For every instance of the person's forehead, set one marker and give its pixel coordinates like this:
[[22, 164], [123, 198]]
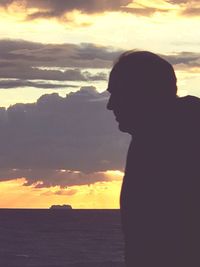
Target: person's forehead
[[112, 87], [113, 82]]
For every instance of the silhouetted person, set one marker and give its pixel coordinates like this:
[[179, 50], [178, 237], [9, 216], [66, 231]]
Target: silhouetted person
[[159, 201]]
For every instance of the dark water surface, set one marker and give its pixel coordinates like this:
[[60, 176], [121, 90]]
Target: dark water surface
[[60, 238]]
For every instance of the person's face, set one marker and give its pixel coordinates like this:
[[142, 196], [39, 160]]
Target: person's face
[[134, 109], [126, 107], [135, 100]]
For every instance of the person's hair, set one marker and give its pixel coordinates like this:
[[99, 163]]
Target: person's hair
[[147, 72]]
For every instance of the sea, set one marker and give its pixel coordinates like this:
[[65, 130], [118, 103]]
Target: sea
[[60, 238]]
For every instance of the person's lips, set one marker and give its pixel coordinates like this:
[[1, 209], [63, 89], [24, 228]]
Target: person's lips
[[117, 118]]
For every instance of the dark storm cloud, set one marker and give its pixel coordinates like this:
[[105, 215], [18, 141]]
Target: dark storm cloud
[[38, 141]]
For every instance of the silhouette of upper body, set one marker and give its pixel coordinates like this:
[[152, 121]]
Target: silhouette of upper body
[[159, 200]]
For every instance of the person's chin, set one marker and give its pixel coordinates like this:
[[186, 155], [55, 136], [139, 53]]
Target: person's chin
[[124, 128]]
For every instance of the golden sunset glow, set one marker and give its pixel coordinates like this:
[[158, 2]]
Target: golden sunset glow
[[95, 196]]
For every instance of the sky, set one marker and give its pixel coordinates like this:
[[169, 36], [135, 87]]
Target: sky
[[59, 144]]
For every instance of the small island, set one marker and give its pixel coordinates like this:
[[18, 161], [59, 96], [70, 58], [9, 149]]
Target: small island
[[61, 207]]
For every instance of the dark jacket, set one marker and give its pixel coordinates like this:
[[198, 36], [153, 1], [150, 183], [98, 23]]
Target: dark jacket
[[160, 196]]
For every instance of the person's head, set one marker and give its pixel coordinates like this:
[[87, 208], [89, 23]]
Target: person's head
[[140, 82]]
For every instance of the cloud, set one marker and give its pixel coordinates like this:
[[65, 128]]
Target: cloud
[[100, 76], [191, 11], [187, 8], [60, 8], [6, 3], [46, 74], [69, 192], [143, 11], [186, 60], [61, 141], [8, 84], [29, 60], [15, 53], [182, 1], [64, 178], [24, 60], [147, 8], [64, 9]]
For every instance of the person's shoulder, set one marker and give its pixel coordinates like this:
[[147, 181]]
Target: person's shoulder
[[189, 113], [189, 104], [189, 99]]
